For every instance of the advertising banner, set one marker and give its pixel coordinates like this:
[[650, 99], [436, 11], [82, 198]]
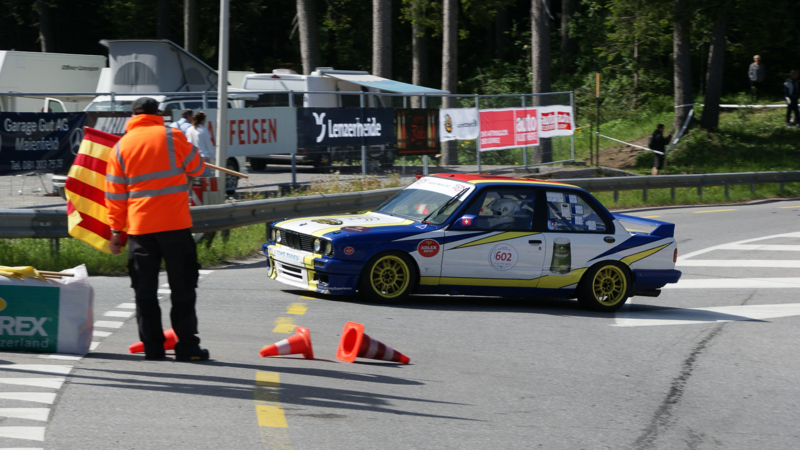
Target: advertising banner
[[556, 120], [255, 131], [458, 123], [526, 127], [336, 127], [497, 129], [46, 316], [39, 142], [416, 131]]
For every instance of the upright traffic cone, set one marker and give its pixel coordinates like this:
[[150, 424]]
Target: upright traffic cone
[[169, 343], [355, 343], [299, 343]]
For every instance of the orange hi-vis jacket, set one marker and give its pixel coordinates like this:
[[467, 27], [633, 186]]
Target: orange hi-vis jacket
[[146, 185]]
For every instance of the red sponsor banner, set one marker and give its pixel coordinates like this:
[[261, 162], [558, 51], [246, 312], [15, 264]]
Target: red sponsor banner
[[556, 120], [509, 128], [497, 129]]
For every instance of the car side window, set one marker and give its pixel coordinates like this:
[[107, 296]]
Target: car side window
[[567, 211], [506, 209], [172, 106]]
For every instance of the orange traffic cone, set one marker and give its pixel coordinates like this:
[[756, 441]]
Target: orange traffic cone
[[299, 343], [169, 343], [355, 343]]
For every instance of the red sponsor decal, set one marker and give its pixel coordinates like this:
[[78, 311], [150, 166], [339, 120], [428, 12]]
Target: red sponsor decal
[[348, 250], [428, 248]]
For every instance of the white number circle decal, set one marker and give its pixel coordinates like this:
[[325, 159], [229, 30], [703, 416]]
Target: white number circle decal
[[503, 257]]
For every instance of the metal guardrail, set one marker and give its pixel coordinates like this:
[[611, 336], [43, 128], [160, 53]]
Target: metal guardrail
[[52, 223]]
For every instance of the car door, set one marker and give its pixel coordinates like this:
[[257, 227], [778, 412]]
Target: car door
[[576, 232], [498, 246]]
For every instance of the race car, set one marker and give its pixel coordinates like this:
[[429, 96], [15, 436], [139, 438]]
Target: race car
[[478, 235]]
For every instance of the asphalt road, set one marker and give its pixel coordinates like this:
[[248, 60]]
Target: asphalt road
[[710, 364]]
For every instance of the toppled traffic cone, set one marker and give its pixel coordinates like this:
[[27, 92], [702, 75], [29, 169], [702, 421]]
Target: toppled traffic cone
[[355, 343], [169, 344], [299, 343]]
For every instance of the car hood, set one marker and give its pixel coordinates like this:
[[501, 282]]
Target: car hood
[[343, 223]]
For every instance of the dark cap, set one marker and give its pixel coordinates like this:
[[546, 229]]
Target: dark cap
[[145, 105], [187, 113]]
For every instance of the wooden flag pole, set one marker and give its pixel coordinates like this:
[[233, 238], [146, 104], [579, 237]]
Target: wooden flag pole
[[228, 171]]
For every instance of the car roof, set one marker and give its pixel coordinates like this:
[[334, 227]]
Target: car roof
[[497, 179]]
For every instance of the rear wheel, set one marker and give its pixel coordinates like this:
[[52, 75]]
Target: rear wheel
[[388, 277], [605, 287]]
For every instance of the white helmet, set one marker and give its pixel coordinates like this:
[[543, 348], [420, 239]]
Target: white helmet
[[503, 210]]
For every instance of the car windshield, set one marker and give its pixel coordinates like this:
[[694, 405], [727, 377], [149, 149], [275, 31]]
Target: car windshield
[[425, 199], [106, 106]]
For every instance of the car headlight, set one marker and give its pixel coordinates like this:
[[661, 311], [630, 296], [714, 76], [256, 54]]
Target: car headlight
[[317, 245], [277, 236]]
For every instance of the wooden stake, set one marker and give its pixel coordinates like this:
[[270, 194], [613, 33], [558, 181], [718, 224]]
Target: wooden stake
[[228, 171]]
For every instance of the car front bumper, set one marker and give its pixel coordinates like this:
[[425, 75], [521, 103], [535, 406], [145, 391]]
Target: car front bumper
[[311, 272]]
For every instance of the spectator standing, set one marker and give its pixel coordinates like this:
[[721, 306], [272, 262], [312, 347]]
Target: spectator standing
[[659, 143], [152, 204], [198, 135], [185, 121], [790, 93], [756, 74]]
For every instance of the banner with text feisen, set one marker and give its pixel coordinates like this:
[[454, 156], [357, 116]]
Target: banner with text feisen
[[255, 131], [458, 124]]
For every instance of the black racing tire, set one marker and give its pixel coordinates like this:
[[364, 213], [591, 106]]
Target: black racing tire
[[258, 164], [605, 287], [388, 277]]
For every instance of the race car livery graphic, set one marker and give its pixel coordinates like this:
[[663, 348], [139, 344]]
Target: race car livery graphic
[[478, 235]]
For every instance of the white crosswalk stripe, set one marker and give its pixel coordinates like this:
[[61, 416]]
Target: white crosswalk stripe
[[40, 414], [50, 383]]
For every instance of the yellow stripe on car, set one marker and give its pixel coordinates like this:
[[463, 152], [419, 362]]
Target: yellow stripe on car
[[497, 238], [628, 260]]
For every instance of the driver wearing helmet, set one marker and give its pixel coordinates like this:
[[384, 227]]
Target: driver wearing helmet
[[503, 211]]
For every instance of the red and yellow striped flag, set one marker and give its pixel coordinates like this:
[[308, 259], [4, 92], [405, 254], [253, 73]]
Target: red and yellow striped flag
[[85, 188]]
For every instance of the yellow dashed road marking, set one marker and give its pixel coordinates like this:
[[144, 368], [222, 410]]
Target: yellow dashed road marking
[[297, 309], [284, 325], [272, 425], [784, 207], [267, 379], [650, 217], [713, 210], [270, 416]]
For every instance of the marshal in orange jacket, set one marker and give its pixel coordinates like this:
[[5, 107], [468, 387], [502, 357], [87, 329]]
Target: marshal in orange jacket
[[146, 185]]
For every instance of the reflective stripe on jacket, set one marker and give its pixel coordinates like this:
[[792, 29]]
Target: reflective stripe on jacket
[[146, 185]]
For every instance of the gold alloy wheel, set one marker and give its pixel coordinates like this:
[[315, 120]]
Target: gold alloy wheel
[[390, 276], [609, 285]]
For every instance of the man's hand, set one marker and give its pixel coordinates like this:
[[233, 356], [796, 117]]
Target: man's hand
[[115, 244]]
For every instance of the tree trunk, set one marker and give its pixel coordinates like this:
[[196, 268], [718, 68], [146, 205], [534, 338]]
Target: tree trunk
[[309, 40], [682, 62], [190, 37], [502, 42], [568, 44], [636, 72], [716, 59], [45, 27], [450, 70], [419, 52], [540, 68], [162, 23], [382, 38]]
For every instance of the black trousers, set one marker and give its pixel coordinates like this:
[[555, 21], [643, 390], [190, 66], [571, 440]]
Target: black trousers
[[792, 106], [179, 252]]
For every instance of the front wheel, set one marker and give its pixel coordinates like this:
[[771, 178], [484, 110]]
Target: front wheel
[[388, 277], [605, 287]]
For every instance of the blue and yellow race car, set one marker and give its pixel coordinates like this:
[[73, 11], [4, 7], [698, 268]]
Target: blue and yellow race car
[[478, 235]]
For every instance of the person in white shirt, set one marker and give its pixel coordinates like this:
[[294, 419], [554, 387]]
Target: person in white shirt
[[197, 134], [185, 121]]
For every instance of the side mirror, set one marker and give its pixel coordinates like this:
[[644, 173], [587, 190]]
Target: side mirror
[[466, 222]]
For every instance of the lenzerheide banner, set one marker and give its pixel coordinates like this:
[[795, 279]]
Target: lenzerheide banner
[[336, 127], [458, 123]]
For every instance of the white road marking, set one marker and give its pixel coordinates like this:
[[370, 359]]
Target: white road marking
[[681, 316], [205, 272], [29, 433], [782, 264], [45, 368], [752, 247], [165, 285], [62, 358], [39, 397], [164, 291], [125, 314], [50, 383], [39, 414], [127, 305], [746, 241], [108, 324], [94, 345], [736, 283], [98, 333]]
